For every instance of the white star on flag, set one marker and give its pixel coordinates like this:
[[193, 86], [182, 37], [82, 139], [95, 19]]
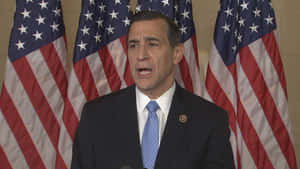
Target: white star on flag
[[165, 2], [253, 28], [26, 13], [110, 29], [40, 20], [37, 35], [20, 45], [43, 4], [85, 30], [114, 15], [226, 27], [22, 29], [82, 46], [244, 5]]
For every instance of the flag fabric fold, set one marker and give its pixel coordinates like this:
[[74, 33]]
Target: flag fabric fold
[[188, 71], [100, 64], [245, 76], [34, 89]]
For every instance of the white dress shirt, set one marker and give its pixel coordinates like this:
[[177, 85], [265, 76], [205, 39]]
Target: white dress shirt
[[164, 102]]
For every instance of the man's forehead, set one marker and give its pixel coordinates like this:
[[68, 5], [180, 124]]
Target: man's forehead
[[148, 28], [155, 24], [144, 38]]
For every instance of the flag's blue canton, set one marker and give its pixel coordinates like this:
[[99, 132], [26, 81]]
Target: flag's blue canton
[[164, 6], [178, 10], [36, 23], [184, 19], [241, 22], [101, 21]]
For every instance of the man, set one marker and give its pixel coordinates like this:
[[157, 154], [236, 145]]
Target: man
[[121, 130]]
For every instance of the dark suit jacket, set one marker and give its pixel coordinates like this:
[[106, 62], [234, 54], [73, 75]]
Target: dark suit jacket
[[107, 136]]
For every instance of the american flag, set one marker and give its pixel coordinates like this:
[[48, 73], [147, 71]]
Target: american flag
[[188, 71], [34, 89], [245, 76], [100, 63]]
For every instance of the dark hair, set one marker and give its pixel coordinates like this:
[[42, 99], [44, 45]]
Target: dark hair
[[173, 31]]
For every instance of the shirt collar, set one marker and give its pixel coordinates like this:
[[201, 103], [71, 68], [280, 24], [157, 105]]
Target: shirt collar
[[164, 101]]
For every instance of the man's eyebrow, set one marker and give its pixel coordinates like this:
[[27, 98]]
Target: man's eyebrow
[[133, 41], [146, 38], [152, 39]]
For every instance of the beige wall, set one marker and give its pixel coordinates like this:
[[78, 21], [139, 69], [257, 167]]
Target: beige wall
[[205, 12]]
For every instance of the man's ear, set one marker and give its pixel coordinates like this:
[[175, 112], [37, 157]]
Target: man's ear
[[178, 53]]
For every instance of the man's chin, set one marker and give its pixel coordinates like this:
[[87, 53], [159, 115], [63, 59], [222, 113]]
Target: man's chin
[[144, 87]]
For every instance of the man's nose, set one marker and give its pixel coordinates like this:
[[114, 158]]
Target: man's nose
[[142, 53]]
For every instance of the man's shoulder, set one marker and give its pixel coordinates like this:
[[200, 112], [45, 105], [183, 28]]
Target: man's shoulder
[[191, 98], [197, 103], [114, 97]]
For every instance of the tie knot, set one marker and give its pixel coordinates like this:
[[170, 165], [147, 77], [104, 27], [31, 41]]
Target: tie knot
[[152, 106]]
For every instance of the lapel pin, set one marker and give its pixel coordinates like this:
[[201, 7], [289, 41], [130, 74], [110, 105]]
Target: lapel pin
[[183, 118]]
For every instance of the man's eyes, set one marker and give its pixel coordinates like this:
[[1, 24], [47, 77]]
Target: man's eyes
[[153, 44], [150, 43], [132, 45]]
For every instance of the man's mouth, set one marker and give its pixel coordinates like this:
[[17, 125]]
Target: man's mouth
[[144, 71]]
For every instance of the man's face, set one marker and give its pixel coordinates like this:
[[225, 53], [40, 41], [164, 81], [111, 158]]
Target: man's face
[[152, 60]]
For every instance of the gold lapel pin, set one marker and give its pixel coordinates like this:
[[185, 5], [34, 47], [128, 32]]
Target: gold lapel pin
[[183, 118]]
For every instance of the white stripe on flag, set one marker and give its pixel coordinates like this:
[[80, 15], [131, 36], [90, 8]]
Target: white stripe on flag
[[29, 116], [75, 94], [119, 58], [10, 145], [223, 76], [246, 159], [46, 82], [96, 68], [272, 81], [60, 47], [65, 146], [194, 70], [258, 118]]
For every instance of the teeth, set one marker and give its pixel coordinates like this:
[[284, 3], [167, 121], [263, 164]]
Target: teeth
[[144, 72]]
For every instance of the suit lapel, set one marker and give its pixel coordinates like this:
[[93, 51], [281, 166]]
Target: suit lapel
[[127, 123], [173, 135]]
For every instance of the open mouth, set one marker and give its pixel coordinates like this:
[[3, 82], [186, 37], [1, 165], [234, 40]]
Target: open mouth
[[144, 71]]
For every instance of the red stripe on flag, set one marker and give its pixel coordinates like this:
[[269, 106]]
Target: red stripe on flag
[[185, 74], [267, 103], [274, 54], [70, 119], [194, 40], [248, 131], [56, 68], [58, 73], [127, 74], [39, 103], [110, 70], [85, 78], [219, 97], [238, 160], [251, 139], [3, 160], [20, 132]]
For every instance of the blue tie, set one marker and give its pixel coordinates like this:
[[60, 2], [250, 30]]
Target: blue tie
[[150, 137]]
